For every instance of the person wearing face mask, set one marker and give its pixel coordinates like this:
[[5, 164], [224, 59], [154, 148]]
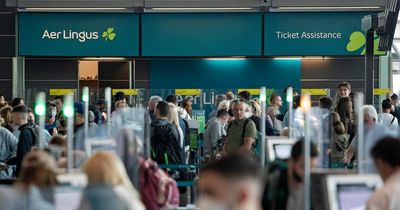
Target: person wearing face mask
[[242, 132], [284, 188], [231, 183], [51, 124], [215, 131]]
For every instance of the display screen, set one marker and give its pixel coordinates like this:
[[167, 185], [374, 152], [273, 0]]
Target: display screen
[[282, 151], [354, 196]]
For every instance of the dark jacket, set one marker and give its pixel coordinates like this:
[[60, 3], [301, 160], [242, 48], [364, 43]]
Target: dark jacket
[[165, 143], [396, 113], [276, 191], [26, 141], [269, 129]]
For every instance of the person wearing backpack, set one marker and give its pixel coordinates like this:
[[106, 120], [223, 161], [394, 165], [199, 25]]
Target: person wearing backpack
[[165, 141], [242, 132], [27, 138]]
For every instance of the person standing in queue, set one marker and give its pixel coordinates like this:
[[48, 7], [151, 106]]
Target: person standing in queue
[[242, 132], [343, 90], [394, 100]]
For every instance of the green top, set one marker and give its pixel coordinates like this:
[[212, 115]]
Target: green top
[[235, 134]]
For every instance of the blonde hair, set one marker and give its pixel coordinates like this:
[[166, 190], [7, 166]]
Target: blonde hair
[[256, 108], [105, 167], [173, 114], [224, 104]]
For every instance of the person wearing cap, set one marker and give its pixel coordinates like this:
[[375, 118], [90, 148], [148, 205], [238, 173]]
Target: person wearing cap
[[27, 138], [51, 124], [79, 122]]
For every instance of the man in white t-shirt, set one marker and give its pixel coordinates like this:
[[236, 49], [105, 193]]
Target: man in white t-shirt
[[387, 119]]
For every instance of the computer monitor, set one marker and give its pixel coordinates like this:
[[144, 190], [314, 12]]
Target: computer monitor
[[279, 148], [351, 191], [67, 198]]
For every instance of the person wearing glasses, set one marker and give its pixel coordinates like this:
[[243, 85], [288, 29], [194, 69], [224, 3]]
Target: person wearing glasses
[[273, 111]]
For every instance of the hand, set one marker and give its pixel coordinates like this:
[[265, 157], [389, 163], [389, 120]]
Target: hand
[[3, 166], [346, 160], [55, 132]]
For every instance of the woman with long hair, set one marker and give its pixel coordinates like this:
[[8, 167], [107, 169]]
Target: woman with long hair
[[344, 108], [174, 119], [109, 186]]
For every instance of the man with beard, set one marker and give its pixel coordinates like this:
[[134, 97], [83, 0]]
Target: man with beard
[[284, 188]]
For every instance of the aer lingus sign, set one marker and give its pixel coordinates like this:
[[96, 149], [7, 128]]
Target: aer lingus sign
[[77, 34], [318, 34]]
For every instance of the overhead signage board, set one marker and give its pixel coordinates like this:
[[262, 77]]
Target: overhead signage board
[[78, 34], [315, 34], [202, 34]]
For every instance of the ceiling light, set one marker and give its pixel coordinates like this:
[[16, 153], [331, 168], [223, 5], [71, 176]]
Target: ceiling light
[[103, 58], [197, 8], [227, 58], [71, 9], [324, 8]]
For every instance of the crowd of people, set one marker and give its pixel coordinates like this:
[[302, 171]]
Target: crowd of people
[[230, 178]]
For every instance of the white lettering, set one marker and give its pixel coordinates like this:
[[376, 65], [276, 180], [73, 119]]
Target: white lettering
[[287, 35], [81, 36], [50, 35], [308, 35]]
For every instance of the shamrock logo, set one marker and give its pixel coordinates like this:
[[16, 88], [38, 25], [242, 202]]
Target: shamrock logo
[[357, 41], [109, 34]]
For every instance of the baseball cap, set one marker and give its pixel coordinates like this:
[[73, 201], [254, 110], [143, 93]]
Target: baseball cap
[[79, 108]]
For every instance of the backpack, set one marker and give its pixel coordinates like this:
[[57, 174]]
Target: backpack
[[36, 141], [158, 190]]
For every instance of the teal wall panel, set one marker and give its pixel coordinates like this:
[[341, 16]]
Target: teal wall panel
[[225, 74], [314, 34], [78, 34], [199, 34]]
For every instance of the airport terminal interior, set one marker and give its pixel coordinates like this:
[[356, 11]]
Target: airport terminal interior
[[199, 105]]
